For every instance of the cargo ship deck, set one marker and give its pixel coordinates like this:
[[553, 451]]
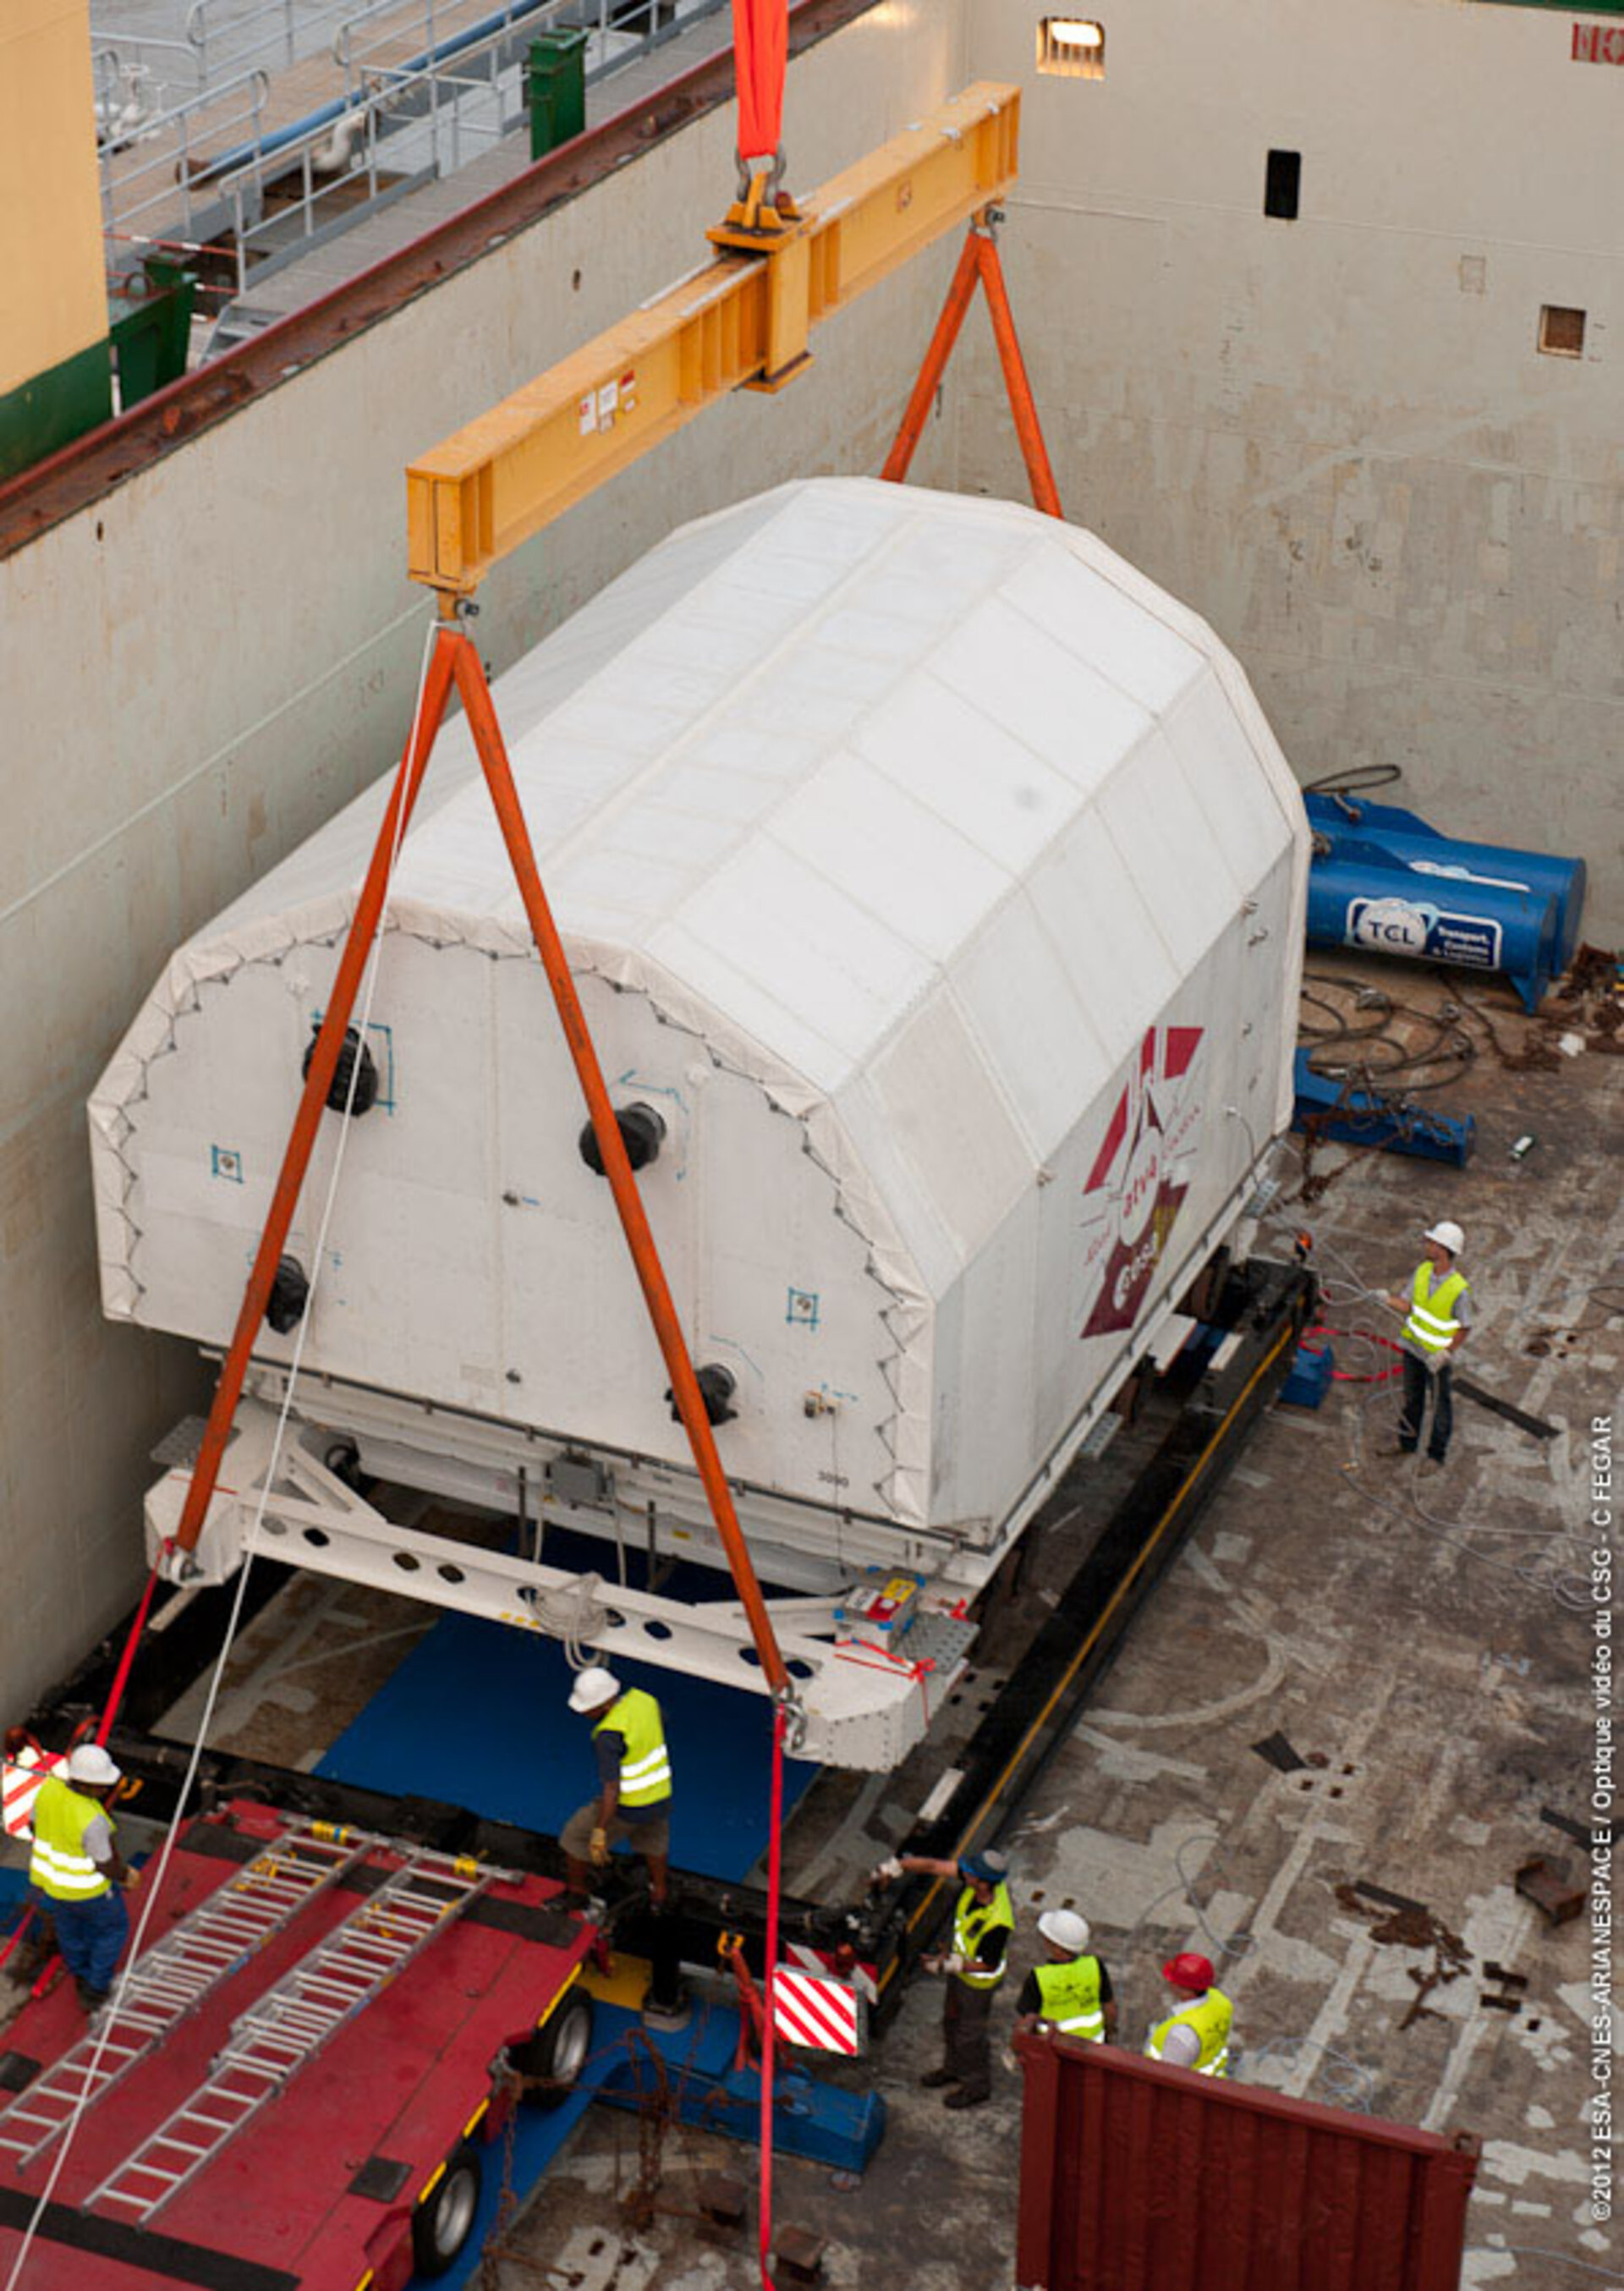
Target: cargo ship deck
[[1355, 1707]]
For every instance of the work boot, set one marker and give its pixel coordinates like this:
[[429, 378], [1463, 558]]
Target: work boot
[[1390, 1450], [966, 2096], [934, 2079], [92, 1999], [1432, 1464]]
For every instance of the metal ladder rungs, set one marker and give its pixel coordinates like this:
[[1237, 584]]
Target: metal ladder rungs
[[345, 1993], [287, 2027], [169, 1982]]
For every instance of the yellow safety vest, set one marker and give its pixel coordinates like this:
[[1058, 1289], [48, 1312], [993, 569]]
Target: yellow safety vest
[[1068, 1994], [61, 1867], [971, 1923], [1432, 1323], [1209, 2017], [645, 1768]]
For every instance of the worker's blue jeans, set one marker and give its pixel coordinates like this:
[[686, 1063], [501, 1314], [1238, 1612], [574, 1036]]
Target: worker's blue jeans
[[91, 1935], [1419, 1381]]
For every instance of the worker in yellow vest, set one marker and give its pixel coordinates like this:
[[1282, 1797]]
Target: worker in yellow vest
[[1195, 2034], [1071, 1990], [1438, 1315], [76, 1870], [974, 1967], [634, 1783]]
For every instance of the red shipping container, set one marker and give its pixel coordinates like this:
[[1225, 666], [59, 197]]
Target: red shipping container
[[1139, 2178]]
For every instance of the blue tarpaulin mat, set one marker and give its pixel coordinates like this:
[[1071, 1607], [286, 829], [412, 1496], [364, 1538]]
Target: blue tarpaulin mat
[[477, 1714]]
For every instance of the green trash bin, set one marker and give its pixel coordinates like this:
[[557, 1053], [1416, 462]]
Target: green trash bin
[[150, 341], [555, 89]]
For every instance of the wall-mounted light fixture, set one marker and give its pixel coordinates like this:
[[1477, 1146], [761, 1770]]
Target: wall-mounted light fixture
[[1071, 47]]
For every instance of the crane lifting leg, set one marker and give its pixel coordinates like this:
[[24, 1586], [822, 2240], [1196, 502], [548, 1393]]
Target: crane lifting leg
[[455, 659], [979, 262]]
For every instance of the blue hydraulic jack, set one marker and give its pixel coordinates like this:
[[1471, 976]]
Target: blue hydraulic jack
[[1396, 1124], [705, 2077], [700, 2082]]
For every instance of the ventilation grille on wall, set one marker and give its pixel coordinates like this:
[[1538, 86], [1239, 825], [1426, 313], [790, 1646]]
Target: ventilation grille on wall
[[1561, 332]]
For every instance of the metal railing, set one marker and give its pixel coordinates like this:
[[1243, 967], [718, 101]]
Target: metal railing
[[623, 30], [282, 201], [212, 169], [137, 78], [273, 35], [158, 185], [373, 37]]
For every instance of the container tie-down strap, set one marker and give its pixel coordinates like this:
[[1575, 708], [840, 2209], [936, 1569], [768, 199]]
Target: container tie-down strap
[[760, 57]]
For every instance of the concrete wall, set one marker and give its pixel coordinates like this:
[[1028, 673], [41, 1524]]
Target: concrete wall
[[1336, 436], [201, 667]]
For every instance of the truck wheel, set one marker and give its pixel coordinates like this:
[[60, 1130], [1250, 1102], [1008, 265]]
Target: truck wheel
[[443, 2225], [558, 2050]]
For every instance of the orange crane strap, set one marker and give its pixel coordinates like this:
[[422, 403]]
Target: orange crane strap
[[760, 56]]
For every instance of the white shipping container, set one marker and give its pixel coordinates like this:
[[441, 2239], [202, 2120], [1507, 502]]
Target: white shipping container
[[938, 883]]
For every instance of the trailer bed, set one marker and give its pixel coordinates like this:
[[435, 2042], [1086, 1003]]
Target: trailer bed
[[317, 2191]]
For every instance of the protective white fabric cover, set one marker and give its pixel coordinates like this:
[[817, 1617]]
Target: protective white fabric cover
[[936, 876]]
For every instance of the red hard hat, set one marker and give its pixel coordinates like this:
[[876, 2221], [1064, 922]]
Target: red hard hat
[[1188, 1971]]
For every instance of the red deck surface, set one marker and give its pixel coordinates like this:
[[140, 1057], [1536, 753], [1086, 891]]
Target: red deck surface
[[402, 2081]]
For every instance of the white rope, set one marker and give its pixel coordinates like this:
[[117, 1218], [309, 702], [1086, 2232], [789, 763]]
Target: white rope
[[153, 1879], [572, 1612]]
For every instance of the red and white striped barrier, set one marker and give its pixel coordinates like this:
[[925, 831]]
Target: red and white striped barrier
[[19, 1785], [860, 1977], [817, 2010]]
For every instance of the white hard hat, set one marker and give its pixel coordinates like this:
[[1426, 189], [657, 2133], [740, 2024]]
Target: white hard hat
[[1448, 1235], [90, 1763], [594, 1687], [1065, 1929]]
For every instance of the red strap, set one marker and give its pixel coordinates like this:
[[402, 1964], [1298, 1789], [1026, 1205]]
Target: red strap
[[761, 58], [23, 1922], [774, 1867], [122, 1676]]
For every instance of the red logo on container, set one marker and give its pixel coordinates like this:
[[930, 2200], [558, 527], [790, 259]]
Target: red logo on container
[[1139, 1179]]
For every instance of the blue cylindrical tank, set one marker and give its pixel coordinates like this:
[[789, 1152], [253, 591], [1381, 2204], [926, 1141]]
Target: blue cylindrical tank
[[1408, 836], [1382, 879]]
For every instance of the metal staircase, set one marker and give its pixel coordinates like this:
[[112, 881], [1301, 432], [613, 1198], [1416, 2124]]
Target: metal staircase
[[290, 2023], [171, 1978]]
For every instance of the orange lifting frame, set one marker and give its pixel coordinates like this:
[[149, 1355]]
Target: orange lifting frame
[[481, 494]]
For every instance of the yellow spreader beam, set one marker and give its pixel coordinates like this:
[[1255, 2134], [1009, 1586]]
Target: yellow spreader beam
[[741, 322]]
